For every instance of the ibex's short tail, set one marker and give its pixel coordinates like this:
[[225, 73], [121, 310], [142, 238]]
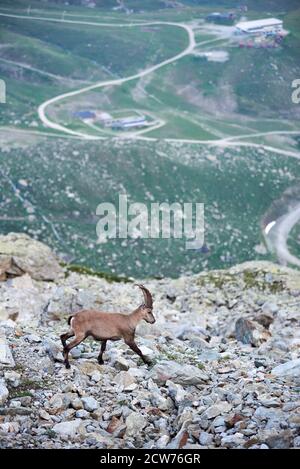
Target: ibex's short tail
[[69, 319]]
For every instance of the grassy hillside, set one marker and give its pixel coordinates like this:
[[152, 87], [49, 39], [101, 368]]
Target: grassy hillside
[[153, 5], [236, 186], [42, 59]]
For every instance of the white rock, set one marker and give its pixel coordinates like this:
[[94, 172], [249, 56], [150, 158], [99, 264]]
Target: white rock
[[290, 368], [6, 357], [44, 415], [15, 403], [59, 402], [82, 414], [10, 427], [138, 373], [68, 429], [218, 409], [120, 363], [135, 423], [264, 446], [53, 350], [13, 378], [96, 376], [232, 441], [162, 441], [125, 381], [147, 352], [297, 442], [269, 307], [89, 403], [178, 373], [97, 414], [206, 439], [76, 403], [176, 391], [76, 352], [3, 392], [33, 338], [157, 399], [152, 386], [180, 439], [161, 402], [277, 439]]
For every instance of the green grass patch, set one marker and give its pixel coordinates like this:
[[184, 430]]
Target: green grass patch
[[79, 269]]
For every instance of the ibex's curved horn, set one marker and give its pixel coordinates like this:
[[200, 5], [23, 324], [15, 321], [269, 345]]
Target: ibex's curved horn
[[147, 296]]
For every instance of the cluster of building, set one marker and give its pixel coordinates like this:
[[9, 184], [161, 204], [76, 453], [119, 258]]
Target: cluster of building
[[106, 120], [128, 123], [268, 26], [256, 27], [266, 32]]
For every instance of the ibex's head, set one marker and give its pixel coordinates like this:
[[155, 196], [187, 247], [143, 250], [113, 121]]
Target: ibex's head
[[147, 307]]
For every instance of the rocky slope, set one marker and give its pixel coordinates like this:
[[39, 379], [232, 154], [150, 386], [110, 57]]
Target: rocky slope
[[225, 359]]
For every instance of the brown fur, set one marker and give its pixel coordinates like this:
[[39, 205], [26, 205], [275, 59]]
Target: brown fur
[[107, 326]]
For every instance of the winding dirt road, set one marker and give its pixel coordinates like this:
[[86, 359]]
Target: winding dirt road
[[119, 81], [277, 236], [227, 141]]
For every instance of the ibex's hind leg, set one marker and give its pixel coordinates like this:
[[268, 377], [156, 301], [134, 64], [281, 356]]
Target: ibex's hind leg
[[103, 347], [134, 347], [66, 336], [69, 347]]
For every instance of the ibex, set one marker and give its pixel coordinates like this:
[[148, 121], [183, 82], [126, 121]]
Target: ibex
[[108, 326]]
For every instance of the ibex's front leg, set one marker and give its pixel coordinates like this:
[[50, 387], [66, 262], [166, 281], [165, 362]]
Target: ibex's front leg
[[103, 347], [66, 336], [131, 343]]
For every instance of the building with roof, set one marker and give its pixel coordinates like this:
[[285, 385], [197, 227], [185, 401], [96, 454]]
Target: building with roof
[[217, 17], [264, 26], [85, 114], [128, 122]]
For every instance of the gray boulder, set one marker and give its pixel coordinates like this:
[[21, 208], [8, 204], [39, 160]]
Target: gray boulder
[[135, 423], [250, 332], [21, 254], [290, 368], [178, 373]]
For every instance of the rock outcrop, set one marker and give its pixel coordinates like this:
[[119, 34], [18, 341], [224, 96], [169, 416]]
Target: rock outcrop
[[20, 254]]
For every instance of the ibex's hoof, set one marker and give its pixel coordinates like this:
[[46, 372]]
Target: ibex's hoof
[[101, 362], [68, 365]]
